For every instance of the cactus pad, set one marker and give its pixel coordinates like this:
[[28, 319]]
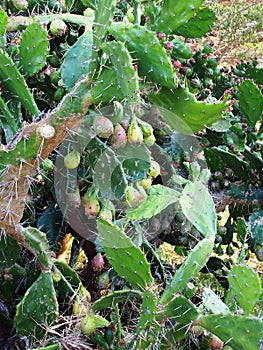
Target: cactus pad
[[33, 49], [126, 259], [245, 283], [37, 309]]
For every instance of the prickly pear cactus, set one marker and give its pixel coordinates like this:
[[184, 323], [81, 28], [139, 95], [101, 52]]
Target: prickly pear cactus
[[240, 332], [150, 56], [127, 259], [13, 80], [190, 267], [34, 48], [3, 24], [10, 251], [245, 283], [194, 114], [38, 308]]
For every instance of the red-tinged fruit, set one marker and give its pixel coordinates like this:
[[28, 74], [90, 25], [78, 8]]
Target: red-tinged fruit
[[177, 64], [134, 197], [119, 137], [91, 204], [161, 35], [169, 45], [98, 262], [58, 27], [215, 343], [102, 126]]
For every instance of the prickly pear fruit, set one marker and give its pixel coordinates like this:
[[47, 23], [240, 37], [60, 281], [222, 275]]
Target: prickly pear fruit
[[58, 27], [88, 324], [134, 197], [215, 342], [134, 134], [103, 280], [72, 160], [102, 126], [106, 214], [119, 137], [20, 5], [146, 128], [91, 204], [155, 169], [118, 111], [150, 140], [97, 262], [145, 183]]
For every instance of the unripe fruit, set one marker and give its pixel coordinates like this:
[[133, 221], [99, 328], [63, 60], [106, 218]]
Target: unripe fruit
[[155, 169], [118, 111], [145, 183], [102, 126], [72, 160], [134, 134], [119, 137], [146, 128], [215, 343], [91, 204], [103, 280], [88, 325], [60, 92], [134, 197], [20, 5], [98, 262], [150, 140], [106, 214], [58, 27]]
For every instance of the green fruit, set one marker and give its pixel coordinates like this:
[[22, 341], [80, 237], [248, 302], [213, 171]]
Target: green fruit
[[106, 214], [13, 50], [220, 250], [150, 140], [47, 164], [207, 49], [59, 94], [58, 27], [134, 134], [155, 169], [145, 183], [146, 128], [91, 205], [103, 280], [88, 324], [56, 76], [212, 62], [20, 5], [181, 49], [229, 250], [109, 336], [72, 160], [118, 111]]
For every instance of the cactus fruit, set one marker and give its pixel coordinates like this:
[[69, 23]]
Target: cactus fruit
[[88, 323], [119, 137], [155, 169], [134, 133], [103, 280], [102, 126], [215, 343], [134, 197], [58, 27], [72, 160], [91, 204], [97, 262], [20, 5]]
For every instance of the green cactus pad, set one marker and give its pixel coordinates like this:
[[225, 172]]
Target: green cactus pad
[[10, 251], [37, 240], [159, 198], [240, 332], [256, 74], [126, 75], [198, 25], [77, 60], [238, 165], [106, 88], [37, 309], [255, 224], [3, 24], [256, 161], [12, 79], [245, 283], [71, 276], [198, 207], [250, 102], [150, 56], [103, 17], [175, 13], [147, 325], [114, 298], [212, 302], [181, 310], [127, 259], [9, 124], [33, 49], [189, 269], [195, 114]]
